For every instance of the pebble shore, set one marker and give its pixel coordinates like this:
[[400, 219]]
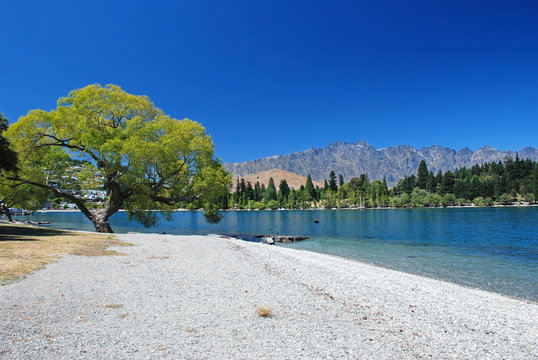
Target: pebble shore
[[195, 297]]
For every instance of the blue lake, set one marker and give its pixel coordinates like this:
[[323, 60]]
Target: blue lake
[[495, 249]]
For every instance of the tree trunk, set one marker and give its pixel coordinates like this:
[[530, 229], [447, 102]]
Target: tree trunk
[[100, 221], [99, 218], [5, 209]]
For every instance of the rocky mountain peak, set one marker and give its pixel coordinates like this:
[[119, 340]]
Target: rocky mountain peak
[[393, 163]]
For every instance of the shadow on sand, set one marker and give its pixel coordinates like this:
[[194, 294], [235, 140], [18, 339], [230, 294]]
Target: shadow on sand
[[10, 232]]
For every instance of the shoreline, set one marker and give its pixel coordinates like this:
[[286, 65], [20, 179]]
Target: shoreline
[[196, 296], [524, 293], [312, 209]]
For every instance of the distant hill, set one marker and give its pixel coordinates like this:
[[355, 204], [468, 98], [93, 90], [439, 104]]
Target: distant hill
[[294, 181], [353, 159]]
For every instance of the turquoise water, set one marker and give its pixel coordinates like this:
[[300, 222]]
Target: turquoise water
[[495, 249]]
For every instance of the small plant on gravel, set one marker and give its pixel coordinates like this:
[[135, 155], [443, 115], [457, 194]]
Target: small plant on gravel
[[264, 311], [113, 306]]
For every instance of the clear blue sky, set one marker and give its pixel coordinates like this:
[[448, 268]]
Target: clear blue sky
[[274, 77]]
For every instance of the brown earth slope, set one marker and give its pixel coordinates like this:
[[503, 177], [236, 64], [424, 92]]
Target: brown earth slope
[[294, 180]]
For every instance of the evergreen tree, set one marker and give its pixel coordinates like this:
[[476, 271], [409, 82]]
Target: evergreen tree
[[384, 187], [364, 182], [243, 195], [422, 175], [309, 187], [270, 192], [439, 182], [249, 193], [326, 185], [283, 191], [448, 183], [242, 186], [430, 182], [292, 200], [257, 192], [340, 180], [332, 182], [533, 181]]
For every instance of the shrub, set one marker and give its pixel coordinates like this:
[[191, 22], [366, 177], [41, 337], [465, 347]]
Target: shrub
[[401, 200], [259, 205], [448, 200], [272, 204], [264, 311], [505, 199]]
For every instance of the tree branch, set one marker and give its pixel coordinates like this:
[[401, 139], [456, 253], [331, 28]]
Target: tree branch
[[79, 202]]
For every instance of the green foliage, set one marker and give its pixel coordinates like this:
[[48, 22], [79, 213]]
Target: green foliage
[[330, 200], [270, 192], [401, 200], [332, 182], [148, 160], [258, 205], [505, 199], [448, 200], [419, 198], [480, 185], [340, 180], [481, 201], [283, 193], [8, 157], [272, 204], [422, 175], [211, 213], [310, 191]]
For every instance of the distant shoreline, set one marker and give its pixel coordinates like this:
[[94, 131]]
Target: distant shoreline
[[311, 209]]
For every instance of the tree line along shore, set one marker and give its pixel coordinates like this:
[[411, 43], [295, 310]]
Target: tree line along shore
[[495, 183]]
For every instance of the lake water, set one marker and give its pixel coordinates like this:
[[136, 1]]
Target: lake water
[[495, 249]]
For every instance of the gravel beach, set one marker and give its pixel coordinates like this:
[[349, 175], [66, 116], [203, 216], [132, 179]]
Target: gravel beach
[[195, 297]]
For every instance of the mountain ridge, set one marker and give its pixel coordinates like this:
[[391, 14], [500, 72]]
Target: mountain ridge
[[393, 162]]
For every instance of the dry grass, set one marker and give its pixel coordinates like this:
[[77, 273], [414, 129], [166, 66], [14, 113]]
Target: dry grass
[[25, 249], [113, 306], [264, 311]]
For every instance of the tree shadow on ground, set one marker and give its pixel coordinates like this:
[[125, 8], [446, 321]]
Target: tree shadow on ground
[[26, 233]]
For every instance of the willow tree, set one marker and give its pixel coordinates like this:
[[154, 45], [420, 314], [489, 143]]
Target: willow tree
[[142, 158]]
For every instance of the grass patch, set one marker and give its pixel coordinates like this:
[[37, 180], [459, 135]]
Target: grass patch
[[264, 311], [113, 306], [25, 249]]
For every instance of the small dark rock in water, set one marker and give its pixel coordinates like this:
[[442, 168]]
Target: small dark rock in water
[[316, 221], [164, 233], [270, 239]]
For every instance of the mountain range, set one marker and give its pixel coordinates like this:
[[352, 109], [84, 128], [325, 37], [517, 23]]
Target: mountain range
[[393, 163]]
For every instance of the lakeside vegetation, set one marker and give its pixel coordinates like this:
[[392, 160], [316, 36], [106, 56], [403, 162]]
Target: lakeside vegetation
[[501, 183], [103, 150], [141, 158]]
